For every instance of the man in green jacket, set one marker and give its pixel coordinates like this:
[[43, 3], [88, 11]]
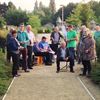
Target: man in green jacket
[[23, 40]]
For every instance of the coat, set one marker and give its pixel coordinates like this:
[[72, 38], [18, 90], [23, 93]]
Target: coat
[[88, 43]]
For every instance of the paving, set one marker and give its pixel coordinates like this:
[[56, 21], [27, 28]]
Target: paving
[[43, 83]]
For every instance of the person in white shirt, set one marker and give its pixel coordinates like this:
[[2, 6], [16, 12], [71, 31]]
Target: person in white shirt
[[31, 37]]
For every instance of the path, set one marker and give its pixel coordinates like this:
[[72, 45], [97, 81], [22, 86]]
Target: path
[[43, 83]]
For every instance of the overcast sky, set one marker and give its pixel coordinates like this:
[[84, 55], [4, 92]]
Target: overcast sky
[[29, 4]]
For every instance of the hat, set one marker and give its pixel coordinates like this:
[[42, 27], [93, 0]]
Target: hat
[[44, 37]]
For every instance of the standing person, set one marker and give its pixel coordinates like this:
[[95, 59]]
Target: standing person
[[88, 53], [24, 40], [30, 45], [14, 47], [71, 45], [55, 39], [9, 35]]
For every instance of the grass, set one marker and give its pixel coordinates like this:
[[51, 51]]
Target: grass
[[5, 75], [96, 74]]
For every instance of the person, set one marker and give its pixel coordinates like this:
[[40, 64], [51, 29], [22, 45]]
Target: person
[[55, 39], [97, 33], [81, 37], [24, 40], [43, 49], [62, 55], [30, 45], [14, 47], [88, 53], [9, 35], [71, 45]]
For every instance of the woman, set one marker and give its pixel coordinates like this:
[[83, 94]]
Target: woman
[[87, 52], [14, 47]]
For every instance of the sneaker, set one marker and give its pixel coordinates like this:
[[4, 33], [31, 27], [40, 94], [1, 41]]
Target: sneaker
[[57, 71], [27, 71]]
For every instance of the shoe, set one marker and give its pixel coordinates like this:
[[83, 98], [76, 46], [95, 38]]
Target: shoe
[[30, 68], [27, 71], [17, 75], [89, 76], [82, 75], [48, 64], [57, 71], [72, 71]]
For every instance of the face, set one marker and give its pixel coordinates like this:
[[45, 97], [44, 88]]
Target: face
[[97, 28], [63, 45], [28, 28], [55, 29], [44, 40], [15, 35], [70, 28], [22, 28]]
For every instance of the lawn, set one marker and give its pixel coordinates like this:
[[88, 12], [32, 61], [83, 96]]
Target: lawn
[[5, 75]]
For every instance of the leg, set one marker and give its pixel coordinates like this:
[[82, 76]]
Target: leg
[[71, 58], [89, 67], [24, 58], [15, 58], [29, 60], [58, 65], [85, 67]]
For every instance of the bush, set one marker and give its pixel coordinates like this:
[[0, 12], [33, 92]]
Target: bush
[[2, 22], [96, 74], [5, 75]]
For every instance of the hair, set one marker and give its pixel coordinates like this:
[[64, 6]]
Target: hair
[[22, 24], [28, 26], [14, 32], [43, 37]]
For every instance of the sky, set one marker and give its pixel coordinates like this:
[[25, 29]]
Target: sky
[[29, 4]]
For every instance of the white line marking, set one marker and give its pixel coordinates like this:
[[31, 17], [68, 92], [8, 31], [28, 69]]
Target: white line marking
[[90, 94], [8, 89]]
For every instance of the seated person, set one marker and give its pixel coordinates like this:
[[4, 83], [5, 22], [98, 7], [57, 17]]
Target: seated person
[[62, 55], [43, 49]]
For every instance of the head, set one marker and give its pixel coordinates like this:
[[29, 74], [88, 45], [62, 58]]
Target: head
[[28, 28], [56, 29], [21, 27], [97, 28], [44, 39], [88, 32], [11, 29], [14, 33], [83, 28], [63, 45], [70, 27]]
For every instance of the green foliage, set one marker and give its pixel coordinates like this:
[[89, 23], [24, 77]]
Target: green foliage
[[2, 22], [82, 14], [34, 21], [15, 17], [96, 73], [5, 75]]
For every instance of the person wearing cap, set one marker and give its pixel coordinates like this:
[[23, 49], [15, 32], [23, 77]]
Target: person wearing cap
[[45, 51], [55, 39], [71, 45], [31, 37], [23, 40]]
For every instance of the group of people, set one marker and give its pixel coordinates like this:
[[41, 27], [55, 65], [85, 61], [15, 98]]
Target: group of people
[[23, 42], [20, 43]]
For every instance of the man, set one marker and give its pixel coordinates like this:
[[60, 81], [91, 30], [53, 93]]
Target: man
[[30, 45], [23, 40], [55, 39], [71, 45], [43, 49], [9, 35], [62, 55]]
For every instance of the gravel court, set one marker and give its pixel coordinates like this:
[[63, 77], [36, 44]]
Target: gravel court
[[43, 83]]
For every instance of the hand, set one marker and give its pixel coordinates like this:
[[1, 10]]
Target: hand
[[22, 42], [86, 51]]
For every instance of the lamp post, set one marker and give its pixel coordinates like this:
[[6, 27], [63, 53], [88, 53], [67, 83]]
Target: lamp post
[[62, 13]]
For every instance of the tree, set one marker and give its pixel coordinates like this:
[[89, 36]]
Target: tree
[[34, 21], [67, 11], [36, 7], [15, 17], [3, 9], [2, 22], [11, 6], [82, 14], [52, 7]]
